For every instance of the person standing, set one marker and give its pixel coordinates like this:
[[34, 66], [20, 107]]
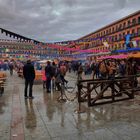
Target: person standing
[[29, 75], [11, 68], [48, 73], [63, 71], [79, 72], [53, 74]]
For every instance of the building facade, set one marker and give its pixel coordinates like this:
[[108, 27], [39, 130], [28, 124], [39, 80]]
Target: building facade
[[112, 36], [22, 49]]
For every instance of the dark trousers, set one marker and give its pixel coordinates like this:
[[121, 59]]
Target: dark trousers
[[11, 72], [63, 79], [30, 83], [44, 84], [48, 84], [58, 86]]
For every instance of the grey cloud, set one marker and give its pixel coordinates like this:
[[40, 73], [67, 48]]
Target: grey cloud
[[57, 20]]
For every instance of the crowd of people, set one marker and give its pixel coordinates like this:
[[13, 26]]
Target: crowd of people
[[7, 65], [56, 72]]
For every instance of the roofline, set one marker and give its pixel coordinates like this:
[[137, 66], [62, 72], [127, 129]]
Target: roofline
[[130, 15], [18, 35]]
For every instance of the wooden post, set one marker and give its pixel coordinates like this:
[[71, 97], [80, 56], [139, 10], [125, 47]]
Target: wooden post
[[113, 90], [79, 110], [89, 95]]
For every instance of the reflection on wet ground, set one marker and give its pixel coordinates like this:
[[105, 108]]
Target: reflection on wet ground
[[44, 118]]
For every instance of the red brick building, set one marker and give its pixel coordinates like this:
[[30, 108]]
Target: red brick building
[[16, 48], [114, 34]]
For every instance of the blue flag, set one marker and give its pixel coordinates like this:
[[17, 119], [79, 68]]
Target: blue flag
[[127, 40]]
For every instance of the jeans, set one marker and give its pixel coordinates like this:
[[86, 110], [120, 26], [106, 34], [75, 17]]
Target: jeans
[[30, 83]]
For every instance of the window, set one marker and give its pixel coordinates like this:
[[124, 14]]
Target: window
[[101, 33], [134, 21], [123, 34], [120, 26], [128, 32], [112, 38], [120, 36], [106, 31], [138, 42], [113, 29], [133, 33], [119, 46], [91, 45], [124, 25], [139, 20], [115, 47], [110, 30], [95, 43], [128, 23], [116, 28], [115, 37], [138, 31]]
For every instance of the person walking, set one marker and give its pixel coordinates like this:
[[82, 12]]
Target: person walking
[[29, 75]]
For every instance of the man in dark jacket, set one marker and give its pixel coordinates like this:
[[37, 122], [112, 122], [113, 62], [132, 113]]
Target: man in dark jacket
[[29, 75], [48, 73]]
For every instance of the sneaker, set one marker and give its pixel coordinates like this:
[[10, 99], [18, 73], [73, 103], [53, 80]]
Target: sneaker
[[31, 97], [26, 97]]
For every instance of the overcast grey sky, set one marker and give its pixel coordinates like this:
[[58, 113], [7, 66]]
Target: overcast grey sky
[[57, 20]]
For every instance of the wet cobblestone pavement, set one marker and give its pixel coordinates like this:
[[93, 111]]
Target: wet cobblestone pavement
[[44, 118]]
